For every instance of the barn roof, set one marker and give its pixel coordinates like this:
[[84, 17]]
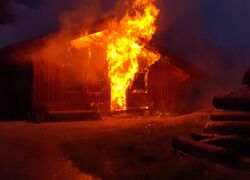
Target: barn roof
[[38, 43]]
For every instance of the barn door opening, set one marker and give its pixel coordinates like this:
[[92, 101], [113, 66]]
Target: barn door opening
[[15, 91]]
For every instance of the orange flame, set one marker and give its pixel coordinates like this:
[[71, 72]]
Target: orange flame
[[125, 42]]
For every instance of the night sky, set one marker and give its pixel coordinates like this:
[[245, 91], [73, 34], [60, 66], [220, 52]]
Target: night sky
[[209, 33]]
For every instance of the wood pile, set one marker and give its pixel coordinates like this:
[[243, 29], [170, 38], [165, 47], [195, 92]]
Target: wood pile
[[246, 78], [235, 101], [226, 137], [58, 112]]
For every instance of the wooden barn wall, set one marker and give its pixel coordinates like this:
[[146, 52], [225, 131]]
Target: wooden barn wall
[[46, 84], [165, 83], [52, 82]]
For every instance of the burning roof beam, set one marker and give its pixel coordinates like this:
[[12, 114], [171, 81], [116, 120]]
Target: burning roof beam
[[126, 47]]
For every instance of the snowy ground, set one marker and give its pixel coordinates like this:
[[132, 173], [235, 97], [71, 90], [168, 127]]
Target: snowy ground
[[118, 147]]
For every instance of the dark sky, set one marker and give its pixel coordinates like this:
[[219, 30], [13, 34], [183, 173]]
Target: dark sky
[[227, 22], [188, 27]]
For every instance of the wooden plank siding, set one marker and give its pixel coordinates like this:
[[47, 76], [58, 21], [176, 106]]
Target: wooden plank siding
[[47, 84], [165, 82]]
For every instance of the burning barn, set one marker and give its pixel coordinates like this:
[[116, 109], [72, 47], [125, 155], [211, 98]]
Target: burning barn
[[115, 69], [33, 88]]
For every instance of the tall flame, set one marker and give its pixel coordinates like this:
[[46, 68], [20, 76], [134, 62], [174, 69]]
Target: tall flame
[[126, 42]]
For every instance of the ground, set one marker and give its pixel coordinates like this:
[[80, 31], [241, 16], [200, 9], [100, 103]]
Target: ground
[[116, 147]]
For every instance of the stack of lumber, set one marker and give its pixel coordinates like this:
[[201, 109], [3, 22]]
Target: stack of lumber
[[235, 101], [246, 78], [56, 112], [226, 137]]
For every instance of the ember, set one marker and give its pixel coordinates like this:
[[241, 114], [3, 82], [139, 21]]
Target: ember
[[125, 43]]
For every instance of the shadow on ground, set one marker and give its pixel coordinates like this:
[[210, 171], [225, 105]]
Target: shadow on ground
[[142, 153]]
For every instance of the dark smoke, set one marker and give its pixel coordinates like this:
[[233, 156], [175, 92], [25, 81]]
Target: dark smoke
[[29, 19], [212, 34], [6, 16]]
